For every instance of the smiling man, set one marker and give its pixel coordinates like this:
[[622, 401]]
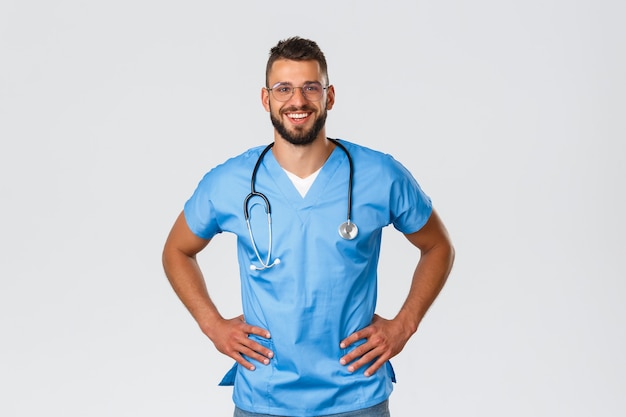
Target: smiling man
[[309, 342], [306, 112]]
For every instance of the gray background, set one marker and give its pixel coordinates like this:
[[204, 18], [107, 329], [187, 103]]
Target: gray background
[[509, 113]]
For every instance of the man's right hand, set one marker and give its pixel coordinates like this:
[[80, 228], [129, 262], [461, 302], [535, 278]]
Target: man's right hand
[[230, 336]]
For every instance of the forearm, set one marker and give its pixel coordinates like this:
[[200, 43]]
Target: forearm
[[188, 282], [429, 278]]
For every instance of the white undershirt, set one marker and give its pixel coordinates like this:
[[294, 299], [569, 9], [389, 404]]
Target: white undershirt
[[302, 184]]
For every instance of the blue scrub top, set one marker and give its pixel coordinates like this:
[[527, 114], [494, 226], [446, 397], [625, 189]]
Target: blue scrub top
[[324, 288]]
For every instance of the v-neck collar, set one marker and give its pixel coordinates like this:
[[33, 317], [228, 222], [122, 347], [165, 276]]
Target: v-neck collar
[[286, 187]]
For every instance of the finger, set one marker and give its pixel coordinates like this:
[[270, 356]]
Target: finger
[[356, 353], [255, 355], [261, 353], [241, 361], [250, 329], [361, 355], [258, 331], [358, 335], [375, 367], [368, 357]]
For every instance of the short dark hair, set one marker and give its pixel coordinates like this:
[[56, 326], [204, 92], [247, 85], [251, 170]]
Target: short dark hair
[[296, 49]]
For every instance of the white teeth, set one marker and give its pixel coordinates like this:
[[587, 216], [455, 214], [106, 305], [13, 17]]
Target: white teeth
[[297, 115]]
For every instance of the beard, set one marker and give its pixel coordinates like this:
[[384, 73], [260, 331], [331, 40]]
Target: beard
[[300, 136]]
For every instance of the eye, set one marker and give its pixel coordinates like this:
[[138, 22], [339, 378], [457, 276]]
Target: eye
[[283, 89], [312, 88]]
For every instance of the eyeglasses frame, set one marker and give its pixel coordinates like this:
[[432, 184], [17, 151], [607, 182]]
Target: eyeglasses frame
[[293, 90]]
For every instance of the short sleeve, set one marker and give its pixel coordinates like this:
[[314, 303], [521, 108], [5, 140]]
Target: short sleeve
[[199, 211], [410, 206]]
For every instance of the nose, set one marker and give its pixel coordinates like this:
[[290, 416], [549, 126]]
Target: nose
[[298, 96]]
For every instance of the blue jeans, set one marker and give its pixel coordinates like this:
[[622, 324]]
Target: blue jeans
[[380, 410]]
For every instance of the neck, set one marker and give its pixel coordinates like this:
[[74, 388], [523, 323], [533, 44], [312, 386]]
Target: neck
[[302, 160]]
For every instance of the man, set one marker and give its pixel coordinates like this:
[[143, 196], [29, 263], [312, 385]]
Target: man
[[309, 342]]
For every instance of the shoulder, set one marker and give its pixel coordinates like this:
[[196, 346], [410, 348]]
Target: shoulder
[[372, 160], [246, 158], [241, 163], [232, 173]]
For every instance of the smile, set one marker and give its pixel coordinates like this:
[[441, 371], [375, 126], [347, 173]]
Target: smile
[[297, 116]]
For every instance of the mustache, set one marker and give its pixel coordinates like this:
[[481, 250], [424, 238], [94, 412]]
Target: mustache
[[292, 109]]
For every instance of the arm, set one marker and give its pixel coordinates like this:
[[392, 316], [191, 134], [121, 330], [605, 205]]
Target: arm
[[229, 336], [386, 338]]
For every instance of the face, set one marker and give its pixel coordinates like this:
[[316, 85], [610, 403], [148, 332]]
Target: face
[[298, 120]]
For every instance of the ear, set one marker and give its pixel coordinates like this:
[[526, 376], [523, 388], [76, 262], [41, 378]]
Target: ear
[[330, 97], [265, 99]]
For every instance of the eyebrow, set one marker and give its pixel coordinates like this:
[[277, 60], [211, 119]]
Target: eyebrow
[[291, 84]]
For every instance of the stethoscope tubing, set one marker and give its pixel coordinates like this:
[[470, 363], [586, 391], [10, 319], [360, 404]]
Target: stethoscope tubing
[[350, 176], [253, 192], [347, 230]]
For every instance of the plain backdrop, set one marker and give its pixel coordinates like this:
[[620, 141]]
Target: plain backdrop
[[511, 115]]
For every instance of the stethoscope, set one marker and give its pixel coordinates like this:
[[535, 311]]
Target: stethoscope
[[347, 229]]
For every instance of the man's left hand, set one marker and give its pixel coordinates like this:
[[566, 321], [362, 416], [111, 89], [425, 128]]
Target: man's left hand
[[384, 339]]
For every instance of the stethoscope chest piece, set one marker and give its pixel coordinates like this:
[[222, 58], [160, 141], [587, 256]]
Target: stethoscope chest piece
[[348, 230]]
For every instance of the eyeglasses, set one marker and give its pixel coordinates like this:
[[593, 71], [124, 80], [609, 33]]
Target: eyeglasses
[[311, 91]]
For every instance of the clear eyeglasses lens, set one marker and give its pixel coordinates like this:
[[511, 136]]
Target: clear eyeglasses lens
[[310, 91]]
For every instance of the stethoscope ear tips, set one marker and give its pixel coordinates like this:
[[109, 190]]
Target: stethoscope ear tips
[[260, 268]]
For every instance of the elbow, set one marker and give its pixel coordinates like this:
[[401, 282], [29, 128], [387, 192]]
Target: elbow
[[451, 254]]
